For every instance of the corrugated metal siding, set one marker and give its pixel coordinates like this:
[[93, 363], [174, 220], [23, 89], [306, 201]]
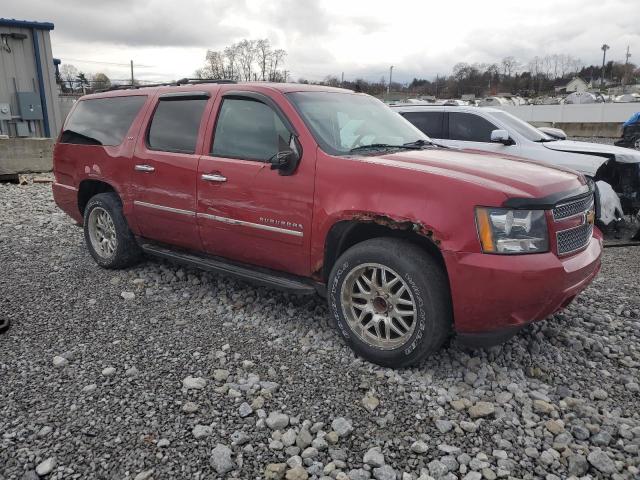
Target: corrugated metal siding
[[20, 65]]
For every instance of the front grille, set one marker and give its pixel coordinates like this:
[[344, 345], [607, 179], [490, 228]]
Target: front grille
[[574, 239], [575, 207]]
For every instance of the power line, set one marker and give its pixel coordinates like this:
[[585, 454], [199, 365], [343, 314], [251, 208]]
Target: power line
[[108, 63]]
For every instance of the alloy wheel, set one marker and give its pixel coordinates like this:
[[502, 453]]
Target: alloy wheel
[[379, 306], [102, 232]]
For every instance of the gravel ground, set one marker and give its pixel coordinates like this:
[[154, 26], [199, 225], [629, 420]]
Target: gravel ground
[[161, 372]]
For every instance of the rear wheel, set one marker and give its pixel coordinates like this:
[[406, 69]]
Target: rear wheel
[[636, 142], [107, 234], [390, 301]]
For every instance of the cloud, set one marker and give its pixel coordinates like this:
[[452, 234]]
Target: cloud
[[324, 37], [134, 23]]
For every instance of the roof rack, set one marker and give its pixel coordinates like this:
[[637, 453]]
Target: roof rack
[[182, 81], [196, 81]]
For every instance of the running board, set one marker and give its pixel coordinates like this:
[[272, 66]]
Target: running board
[[257, 275]]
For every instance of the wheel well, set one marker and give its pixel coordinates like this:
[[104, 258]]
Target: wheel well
[[89, 188], [344, 235]]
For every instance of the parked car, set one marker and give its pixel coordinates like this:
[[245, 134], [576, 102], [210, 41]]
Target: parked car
[[321, 190], [615, 170], [630, 133]]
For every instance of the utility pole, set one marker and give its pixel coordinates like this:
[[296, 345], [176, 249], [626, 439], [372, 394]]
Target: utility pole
[[626, 56], [626, 69], [604, 49], [436, 86], [342, 79], [390, 76], [131, 62], [286, 75]]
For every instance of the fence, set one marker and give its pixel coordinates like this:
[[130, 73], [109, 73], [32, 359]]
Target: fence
[[592, 119], [66, 102], [581, 113]]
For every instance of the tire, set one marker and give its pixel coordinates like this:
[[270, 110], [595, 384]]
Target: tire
[[407, 267], [635, 142], [103, 219]]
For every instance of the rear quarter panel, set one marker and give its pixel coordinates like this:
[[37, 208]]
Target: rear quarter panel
[[73, 163]]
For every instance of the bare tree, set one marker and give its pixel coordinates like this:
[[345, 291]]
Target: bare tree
[[245, 60], [276, 60], [331, 80], [69, 73], [264, 53], [246, 56], [214, 66], [100, 81], [232, 54], [509, 65]]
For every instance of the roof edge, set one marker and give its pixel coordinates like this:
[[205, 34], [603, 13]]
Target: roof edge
[[12, 22]]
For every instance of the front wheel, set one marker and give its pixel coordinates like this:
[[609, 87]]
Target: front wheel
[[390, 301], [107, 234]]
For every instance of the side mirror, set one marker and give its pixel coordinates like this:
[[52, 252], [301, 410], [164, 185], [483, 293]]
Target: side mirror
[[501, 136], [287, 161]]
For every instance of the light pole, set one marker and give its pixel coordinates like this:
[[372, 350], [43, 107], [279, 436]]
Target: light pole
[[390, 75], [604, 49]]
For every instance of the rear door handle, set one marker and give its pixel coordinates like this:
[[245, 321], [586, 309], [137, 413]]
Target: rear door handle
[[213, 177], [144, 168]]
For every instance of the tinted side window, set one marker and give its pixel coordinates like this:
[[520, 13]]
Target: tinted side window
[[175, 124], [429, 123], [249, 130], [469, 127], [102, 121]]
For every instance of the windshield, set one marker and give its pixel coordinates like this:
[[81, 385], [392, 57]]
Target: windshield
[[523, 128], [342, 122]]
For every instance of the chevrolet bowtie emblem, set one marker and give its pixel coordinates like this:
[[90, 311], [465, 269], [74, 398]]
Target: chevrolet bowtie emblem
[[590, 217]]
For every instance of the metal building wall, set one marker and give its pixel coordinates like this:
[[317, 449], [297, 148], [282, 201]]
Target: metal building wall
[[19, 72]]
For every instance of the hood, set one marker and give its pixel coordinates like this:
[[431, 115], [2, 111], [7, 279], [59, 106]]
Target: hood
[[514, 177], [622, 155]]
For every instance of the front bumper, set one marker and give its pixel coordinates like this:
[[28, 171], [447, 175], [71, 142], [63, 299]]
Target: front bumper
[[496, 295]]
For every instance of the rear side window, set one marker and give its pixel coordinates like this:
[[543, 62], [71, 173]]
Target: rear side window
[[102, 121], [429, 123], [469, 127], [175, 124], [249, 130]]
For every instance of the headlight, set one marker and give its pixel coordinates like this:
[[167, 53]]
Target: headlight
[[506, 231]]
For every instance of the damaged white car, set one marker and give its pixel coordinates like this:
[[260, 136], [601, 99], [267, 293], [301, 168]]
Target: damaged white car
[[615, 170]]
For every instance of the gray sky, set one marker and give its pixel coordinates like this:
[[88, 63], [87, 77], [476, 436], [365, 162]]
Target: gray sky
[[362, 38]]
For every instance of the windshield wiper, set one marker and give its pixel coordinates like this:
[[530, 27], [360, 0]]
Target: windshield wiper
[[378, 146], [422, 143], [417, 145]]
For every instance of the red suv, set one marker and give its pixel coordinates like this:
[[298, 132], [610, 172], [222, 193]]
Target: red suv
[[316, 189]]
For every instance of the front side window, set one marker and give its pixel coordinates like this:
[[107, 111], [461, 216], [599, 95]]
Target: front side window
[[341, 122], [249, 130], [469, 127], [429, 123], [102, 121], [175, 124], [523, 128]]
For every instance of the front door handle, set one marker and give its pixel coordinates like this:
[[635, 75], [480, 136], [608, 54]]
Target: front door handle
[[213, 177], [144, 168]]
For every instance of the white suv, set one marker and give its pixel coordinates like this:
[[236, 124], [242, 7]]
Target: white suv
[[615, 170]]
